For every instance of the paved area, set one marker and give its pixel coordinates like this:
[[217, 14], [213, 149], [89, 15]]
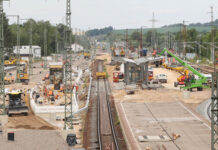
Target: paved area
[[34, 140], [152, 121]]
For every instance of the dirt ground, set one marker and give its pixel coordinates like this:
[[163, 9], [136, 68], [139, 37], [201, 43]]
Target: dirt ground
[[31, 121], [28, 122]]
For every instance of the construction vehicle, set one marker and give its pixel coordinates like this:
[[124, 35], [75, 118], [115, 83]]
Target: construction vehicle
[[162, 78], [8, 80], [150, 74], [177, 68], [11, 62], [118, 76], [86, 54], [191, 82], [122, 53], [181, 79], [23, 75], [16, 103], [101, 73], [56, 73]]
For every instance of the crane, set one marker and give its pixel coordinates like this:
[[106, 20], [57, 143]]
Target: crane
[[191, 82]]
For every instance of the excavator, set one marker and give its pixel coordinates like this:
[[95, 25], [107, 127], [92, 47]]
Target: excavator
[[191, 82], [181, 79], [22, 75]]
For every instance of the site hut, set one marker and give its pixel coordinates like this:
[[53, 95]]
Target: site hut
[[25, 52], [76, 48]]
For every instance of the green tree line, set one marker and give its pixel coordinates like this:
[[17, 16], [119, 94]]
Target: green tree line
[[38, 27]]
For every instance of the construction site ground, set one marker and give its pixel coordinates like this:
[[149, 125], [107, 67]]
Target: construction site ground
[[166, 111]]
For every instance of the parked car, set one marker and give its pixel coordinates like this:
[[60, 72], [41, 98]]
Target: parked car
[[162, 78]]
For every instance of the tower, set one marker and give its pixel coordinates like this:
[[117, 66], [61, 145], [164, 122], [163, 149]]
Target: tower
[[68, 121]]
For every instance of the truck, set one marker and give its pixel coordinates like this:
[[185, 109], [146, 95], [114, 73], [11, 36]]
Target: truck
[[191, 82], [16, 104]]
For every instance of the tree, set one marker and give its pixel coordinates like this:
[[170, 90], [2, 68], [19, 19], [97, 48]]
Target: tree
[[9, 37], [96, 32], [136, 36]]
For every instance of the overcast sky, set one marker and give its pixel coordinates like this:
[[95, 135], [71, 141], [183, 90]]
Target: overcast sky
[[117, 13]]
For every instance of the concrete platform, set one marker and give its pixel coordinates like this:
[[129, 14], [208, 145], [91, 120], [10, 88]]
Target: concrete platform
[[145, 125], [35, 140]]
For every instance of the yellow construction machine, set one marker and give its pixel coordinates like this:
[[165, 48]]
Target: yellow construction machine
[[16, 104], [8, 80], [122, 53], [56, 74], [11, 62], [23, 75], [86, 54]]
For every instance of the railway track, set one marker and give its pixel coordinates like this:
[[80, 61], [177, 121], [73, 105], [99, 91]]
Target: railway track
[[204, 69], [107, 138]]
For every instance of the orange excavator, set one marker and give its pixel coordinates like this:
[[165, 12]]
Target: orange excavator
[[181, 79]]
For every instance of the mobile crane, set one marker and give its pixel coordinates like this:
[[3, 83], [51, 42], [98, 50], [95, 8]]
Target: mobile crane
[[191, 82]]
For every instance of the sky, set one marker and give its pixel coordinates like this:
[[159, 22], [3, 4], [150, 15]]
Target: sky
[[121, 14]]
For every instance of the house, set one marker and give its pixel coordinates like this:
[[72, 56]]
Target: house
[[77, 48], [25, 51]]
